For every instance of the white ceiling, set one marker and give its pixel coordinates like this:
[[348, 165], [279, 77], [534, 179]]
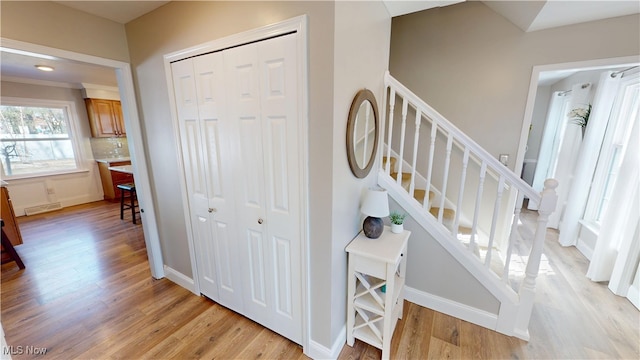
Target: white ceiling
[[121, 11], [539, 15], [20, 67], [528, 15]]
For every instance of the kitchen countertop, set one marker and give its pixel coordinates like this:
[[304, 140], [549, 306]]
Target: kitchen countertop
[[127, 169], [112, 160]]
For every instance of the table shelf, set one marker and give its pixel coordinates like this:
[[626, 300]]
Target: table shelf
[[373, 264]]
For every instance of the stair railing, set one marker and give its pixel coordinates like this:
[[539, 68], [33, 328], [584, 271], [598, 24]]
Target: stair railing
[[488, 187]]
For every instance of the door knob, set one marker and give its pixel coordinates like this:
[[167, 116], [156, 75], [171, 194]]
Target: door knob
[[212, 210], [260, 221]]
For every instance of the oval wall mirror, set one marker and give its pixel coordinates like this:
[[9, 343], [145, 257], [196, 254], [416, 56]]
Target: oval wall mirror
[[362, 133]]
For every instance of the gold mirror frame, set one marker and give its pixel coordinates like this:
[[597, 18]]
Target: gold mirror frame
[[355, 113]]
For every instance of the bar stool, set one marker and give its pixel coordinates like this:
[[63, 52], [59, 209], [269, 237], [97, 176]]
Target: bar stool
[[131, 189], [8, 247]]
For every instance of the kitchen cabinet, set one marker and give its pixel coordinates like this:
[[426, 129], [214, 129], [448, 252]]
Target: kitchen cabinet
[[10, 228], [111, 179], [10, 224], [105, 117]]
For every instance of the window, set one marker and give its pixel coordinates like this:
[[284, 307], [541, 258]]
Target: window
[[36, 137], [616, 139]]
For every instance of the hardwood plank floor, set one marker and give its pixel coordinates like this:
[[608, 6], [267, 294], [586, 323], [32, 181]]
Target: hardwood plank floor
[[87, 293]]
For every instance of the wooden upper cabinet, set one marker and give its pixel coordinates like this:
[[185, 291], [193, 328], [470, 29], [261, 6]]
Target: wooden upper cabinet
[[105, 117]]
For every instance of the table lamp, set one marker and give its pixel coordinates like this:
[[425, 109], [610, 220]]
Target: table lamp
[[375, 206]]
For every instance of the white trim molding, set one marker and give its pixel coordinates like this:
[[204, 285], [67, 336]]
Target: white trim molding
[[318, 351], [452, 308], [134, 135], [180, 279]]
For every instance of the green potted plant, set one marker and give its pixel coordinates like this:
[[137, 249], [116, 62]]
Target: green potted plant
[[397, 219]]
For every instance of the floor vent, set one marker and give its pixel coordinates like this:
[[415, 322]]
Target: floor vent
[[42, 208]]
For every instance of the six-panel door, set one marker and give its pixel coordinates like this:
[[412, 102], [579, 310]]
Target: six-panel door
[[238, 122]]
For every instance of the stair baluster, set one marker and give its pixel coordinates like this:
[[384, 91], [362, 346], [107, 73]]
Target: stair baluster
[[403, 127], [476, 213], [392, 104], [432, 150], [445, 177], [513, 238], [463, 178], [495, 229], [496, 213], [416, 139]]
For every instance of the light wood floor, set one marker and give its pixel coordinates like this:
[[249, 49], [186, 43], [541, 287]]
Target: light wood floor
[[87, 293]]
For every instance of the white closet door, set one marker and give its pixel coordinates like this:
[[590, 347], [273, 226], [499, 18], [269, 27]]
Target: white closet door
[[279, 105], [262, 99], [217, 146], [195, 174]]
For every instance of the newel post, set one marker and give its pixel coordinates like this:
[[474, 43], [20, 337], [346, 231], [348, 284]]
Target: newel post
[[548, 200]]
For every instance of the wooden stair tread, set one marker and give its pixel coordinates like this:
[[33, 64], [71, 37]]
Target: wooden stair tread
[[405, 176], [406, 179], [446, 214], [464, 230], [392, 163], [419, 194]]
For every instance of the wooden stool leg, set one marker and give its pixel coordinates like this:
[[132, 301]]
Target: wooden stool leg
[[121, 204], [133, 208], [8, 246]]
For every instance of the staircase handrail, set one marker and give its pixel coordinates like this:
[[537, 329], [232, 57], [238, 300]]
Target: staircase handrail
[[475, 148], [515, 304]]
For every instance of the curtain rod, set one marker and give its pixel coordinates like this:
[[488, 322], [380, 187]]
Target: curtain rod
[[583, 86], [622, 71]]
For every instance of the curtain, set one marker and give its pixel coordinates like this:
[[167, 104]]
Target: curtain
[[548, 152], [615, 244], [569, 152], [616, 252], [578, 193]]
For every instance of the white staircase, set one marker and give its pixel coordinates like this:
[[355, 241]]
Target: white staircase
[[473, 204]]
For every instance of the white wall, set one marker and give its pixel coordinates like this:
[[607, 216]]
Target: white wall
[[474, 66], [361, 37], [431, 269], [70, 189], [50, 24]]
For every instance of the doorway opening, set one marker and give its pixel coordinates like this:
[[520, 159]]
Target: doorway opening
[[133, 129]]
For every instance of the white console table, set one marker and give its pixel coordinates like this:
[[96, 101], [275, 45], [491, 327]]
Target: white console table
[[376, 288]]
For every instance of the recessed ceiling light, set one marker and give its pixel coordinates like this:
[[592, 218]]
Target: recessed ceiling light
[[44, 68]]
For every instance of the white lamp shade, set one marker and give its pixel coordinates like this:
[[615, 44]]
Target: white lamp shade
[[376, 203]]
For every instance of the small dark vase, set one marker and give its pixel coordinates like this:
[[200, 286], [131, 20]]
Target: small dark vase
[[373, 227]]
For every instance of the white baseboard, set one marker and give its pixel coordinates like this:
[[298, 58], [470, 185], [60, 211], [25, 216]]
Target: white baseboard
[[452, 308], [584, 249], [320, 352], [180, 279], [633, 294]]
